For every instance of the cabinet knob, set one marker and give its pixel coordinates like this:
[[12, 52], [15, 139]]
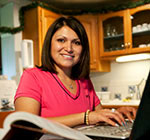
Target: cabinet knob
[[129, 44], [126, 45]]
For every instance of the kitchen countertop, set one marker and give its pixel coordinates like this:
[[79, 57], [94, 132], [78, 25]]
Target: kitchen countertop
[[117, 102]]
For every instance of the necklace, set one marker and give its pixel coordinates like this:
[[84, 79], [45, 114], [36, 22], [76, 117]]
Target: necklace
[[70, 86], [65, 90]]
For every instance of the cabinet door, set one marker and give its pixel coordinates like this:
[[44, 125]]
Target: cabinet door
[[47, 18], [90, 24], [113, 40], [140, 23]]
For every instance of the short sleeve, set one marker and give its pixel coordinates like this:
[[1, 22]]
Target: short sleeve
[[28, 86]]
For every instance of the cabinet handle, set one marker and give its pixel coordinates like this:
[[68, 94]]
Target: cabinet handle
[[126, 45], [129, 44]]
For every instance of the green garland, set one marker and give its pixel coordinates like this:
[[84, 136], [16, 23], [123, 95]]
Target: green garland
[[106, 9]]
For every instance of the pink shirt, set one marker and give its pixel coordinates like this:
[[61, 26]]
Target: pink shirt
[[54, 97]]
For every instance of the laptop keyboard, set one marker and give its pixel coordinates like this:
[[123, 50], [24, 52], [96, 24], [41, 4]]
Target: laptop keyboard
[[107, 130]]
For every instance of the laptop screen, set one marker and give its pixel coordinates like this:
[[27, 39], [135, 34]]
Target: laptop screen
[[141, 126]]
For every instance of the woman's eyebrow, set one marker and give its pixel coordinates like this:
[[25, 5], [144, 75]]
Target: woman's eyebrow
[[75, 39], [60, 36]]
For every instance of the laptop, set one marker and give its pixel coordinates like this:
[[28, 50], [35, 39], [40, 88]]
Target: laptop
[[104, 130], [138, 130]]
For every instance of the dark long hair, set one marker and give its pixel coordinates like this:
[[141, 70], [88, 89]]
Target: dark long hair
[[82, 68]]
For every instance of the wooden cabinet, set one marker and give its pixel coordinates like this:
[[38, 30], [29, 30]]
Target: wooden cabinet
[[112, 34], [118, 106], [90, 23], [47, 18], [140, 27], [37, 22], [125, 32]]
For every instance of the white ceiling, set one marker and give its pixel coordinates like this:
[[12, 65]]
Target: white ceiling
[[74, 3], [3, 2]]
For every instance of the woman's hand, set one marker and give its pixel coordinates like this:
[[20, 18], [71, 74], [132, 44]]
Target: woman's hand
[[129, 112], [106, 115]]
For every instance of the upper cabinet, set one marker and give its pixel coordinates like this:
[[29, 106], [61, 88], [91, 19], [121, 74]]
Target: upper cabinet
[[112, 34], [140, 26], [125, 32], [47, 18]]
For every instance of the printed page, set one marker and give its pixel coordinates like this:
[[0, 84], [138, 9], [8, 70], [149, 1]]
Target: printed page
[[51, 137], [51, 126], [1, 131]]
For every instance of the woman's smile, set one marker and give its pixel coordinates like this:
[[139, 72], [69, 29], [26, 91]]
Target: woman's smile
[[68, 57]]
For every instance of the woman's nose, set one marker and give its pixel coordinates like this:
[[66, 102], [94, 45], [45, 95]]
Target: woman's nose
[[68, 46]]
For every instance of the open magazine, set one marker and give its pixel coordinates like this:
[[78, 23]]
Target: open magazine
[[23, 125]]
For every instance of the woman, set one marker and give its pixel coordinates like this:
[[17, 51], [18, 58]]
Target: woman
[[61, 89]]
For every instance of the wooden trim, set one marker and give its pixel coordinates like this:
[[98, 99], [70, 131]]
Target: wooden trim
[[3, 115], [140, 8], [118, 106]]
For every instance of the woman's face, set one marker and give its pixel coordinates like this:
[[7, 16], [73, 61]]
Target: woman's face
[[66, 48]]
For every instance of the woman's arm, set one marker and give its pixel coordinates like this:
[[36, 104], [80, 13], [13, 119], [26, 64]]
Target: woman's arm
[[28, 105], [70, 120], [32, 106], [99, 115]]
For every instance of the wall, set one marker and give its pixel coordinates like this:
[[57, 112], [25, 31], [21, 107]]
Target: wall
[[11, 44], [0, 48], [7, 42], [121, 76]]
